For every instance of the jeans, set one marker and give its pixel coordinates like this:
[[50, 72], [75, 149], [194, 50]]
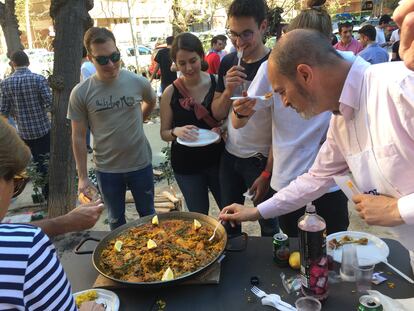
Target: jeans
[[88, 137], [236, 176], [40, 149], [195, 189], [332, 207], [113, 189]]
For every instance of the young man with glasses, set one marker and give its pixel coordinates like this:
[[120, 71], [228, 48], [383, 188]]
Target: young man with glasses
[[245, 163], [113, 103], [347, 42]]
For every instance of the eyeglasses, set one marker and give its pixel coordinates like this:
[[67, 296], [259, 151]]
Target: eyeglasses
[[246, 35], [104, 60], [20, 181]]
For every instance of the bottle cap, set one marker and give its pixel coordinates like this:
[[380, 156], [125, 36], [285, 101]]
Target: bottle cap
[[310, 208]]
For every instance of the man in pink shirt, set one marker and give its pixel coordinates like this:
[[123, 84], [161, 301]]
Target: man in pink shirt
[[371, 133], [347, 42]]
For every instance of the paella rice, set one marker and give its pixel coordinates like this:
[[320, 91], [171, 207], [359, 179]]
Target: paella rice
[[179, 247]]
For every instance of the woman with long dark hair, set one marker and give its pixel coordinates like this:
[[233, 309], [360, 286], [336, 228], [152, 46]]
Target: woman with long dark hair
[[186, 107]]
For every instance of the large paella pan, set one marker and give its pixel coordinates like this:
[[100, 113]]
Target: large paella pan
[[128, 255]]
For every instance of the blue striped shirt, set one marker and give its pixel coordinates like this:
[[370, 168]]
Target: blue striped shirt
[[31, 276], [26, 96]]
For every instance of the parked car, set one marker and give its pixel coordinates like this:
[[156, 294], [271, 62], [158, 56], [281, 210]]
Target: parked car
[[144, 58]]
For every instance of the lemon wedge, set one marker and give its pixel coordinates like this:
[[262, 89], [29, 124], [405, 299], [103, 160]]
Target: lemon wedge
[[168, 275], [118, 246], [197, 224], [151, 244], [155, 220]]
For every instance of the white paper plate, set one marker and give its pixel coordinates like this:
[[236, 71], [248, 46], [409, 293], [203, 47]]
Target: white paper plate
[[205, 137], [110, 299], [375, 251]]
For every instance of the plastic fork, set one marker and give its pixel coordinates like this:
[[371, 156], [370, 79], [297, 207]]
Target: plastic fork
[[261, 97], [215, 229], [398, 271], [272, 299], [239, 56]]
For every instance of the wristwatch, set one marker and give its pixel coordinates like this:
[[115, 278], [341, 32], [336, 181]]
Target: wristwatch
[[238, 115]]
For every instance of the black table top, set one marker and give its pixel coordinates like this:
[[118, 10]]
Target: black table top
[[233, 292]]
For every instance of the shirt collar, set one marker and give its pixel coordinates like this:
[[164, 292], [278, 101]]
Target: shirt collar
[[373, 45], [351, 92], [21, 69], [347, 45]]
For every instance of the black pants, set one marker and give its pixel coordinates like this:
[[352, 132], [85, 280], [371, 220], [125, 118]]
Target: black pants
[[40, 149], [236, 176], [195, 188], [333, 207]]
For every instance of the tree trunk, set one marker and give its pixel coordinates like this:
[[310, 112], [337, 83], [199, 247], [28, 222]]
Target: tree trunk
[[10, 26], [71, 19]]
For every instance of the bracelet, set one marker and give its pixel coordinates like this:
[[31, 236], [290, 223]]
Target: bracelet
[[172, 133], [265, 174], [238, 115]]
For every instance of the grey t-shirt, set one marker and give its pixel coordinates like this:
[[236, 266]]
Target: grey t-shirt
[[113, 113]]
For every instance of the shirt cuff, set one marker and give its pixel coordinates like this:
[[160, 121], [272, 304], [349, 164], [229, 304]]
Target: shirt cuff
[[267, 209], [406, 208]]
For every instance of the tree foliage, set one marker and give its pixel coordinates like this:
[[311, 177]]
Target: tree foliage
[[183, 16], [335, 6]]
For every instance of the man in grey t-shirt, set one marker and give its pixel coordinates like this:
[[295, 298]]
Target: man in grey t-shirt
[[113, 103]]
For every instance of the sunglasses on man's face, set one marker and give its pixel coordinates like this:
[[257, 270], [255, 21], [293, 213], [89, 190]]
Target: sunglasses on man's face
[[104, 60], [20, 181]]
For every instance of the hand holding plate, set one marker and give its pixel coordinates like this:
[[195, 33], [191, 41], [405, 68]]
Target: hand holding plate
[[187, 132]]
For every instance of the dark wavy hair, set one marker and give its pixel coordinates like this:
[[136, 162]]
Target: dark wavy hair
[[188, 42], [249, 8]]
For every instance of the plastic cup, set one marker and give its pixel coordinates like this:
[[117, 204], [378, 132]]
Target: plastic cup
[[363, 275], [308, 303], [348, 262]]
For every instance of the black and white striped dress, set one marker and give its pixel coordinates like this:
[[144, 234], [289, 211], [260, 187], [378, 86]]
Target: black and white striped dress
[[31, 276]]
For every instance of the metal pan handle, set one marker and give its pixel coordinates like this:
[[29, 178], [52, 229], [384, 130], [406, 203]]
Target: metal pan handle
[[78, 252], [239, 248]]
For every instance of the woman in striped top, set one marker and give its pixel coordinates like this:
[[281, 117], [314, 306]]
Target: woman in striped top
[[31, 276]]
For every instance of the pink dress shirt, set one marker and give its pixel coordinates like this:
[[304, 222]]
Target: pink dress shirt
[[386, 102], [354, 46]]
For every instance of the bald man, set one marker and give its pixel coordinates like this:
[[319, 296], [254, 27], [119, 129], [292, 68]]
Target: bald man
[[371, 133]]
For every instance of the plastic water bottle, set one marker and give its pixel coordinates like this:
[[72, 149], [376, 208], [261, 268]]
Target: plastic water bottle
[[313, 258]]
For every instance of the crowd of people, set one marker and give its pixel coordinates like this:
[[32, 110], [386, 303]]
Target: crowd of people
[[371, 45], [347, 117]]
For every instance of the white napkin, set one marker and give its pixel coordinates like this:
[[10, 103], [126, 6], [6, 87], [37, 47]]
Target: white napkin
[[390, 304]]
